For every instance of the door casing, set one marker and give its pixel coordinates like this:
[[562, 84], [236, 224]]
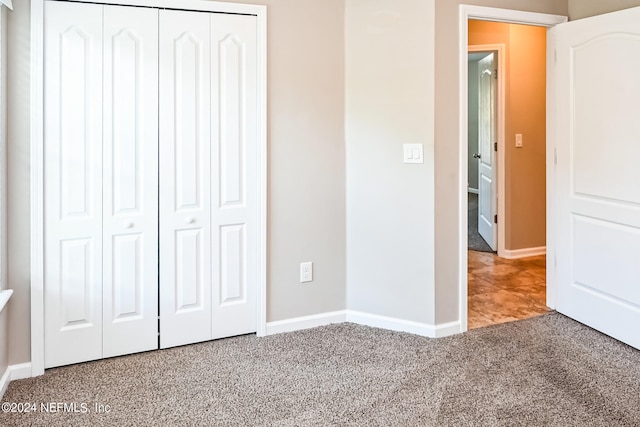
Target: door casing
[[37, 155], [512, 17]]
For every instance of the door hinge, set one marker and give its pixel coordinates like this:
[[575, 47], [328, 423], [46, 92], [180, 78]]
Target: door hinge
[[495, 146], [495, 74], [495, 219], [555, 157]]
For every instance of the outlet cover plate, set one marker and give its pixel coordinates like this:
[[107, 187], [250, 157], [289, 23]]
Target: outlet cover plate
[[306, 272]]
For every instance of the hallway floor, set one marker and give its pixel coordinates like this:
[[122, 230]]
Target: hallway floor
[[503, 290]]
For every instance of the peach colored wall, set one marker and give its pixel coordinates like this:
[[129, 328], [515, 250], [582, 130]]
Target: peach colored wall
[[525, 114]]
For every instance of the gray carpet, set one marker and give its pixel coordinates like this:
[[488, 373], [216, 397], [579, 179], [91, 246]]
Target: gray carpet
[[476, 242], [545, 371]]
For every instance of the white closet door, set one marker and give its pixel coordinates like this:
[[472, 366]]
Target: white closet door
[[233, 171], [73, 182], [185, 198], [130, 210]]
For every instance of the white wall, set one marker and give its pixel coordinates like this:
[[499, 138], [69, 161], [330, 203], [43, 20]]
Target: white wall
[[389, 102]]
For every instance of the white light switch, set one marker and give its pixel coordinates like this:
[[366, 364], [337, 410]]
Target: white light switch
[[519, 140], [413, 153]]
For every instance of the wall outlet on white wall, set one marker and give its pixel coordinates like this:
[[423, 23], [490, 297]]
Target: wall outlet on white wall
[[306, 272]]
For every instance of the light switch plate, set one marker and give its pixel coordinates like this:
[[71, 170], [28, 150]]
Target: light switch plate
[[413, 153], [518, 140]]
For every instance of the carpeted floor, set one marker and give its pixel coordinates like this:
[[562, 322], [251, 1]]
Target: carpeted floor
[[476, 242], [545, 371]]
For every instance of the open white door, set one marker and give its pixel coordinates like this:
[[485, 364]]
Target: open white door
[[487, 201], [597, 138]]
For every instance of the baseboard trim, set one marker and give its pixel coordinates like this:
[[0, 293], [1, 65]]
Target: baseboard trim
[[448, 329], [523, 253], [365, 319], [473, 190], [306, 322], [4, 382], [5, 296], [14, 372], [401, 325]]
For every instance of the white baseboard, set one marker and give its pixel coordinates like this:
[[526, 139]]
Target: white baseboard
[[4, 382], [4, 297], [306, 322], [401, 325], [523, 253], [448, 329], [391, 323], [365, 319], [14, 372], [473, 190]]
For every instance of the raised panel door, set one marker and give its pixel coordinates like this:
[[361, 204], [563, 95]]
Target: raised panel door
[[185, 198], [73, 183], [234, 169], [130, 208]]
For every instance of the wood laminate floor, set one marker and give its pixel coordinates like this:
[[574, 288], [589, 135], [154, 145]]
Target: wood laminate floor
[[503, 290]]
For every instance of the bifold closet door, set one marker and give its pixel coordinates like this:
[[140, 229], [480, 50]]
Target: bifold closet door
[[208, 167], [185, 200], [234, 169], [130, 207], [100, 141]]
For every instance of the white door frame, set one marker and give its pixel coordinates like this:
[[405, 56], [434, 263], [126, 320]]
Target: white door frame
[[512, 17], [37, 155], [499, 166]]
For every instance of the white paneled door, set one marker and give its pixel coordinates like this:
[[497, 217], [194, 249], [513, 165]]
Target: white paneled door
[[185, 202], [73, 183], [234, 170], [151, 186], [597, 137], [487, 200], [130, 186], [208, 159]]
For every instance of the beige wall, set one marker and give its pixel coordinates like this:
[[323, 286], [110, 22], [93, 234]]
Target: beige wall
[[307, 158], [389, 102], [306, 203], [4, 339], [584, 8], [525, 99], [447, 153], [18, 213], [4, 317]]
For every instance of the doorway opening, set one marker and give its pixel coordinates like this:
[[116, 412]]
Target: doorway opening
[[508, 281]]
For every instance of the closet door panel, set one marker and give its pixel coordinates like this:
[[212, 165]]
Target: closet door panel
[[185, 201], [73, 183], [234, 174], [130, 208]]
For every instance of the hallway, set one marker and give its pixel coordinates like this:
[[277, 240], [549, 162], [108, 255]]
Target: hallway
[[503, 290]]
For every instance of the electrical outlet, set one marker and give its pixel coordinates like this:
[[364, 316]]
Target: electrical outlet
[[306, 272]]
